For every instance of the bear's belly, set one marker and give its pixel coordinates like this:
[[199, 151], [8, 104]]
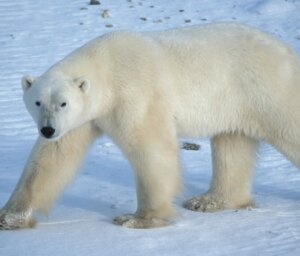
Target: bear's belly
[[201, 123], [208, 116]]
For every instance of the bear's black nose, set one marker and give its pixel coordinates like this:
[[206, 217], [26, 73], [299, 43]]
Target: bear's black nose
[[47, 131]]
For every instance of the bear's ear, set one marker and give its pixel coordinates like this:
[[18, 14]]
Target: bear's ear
[[82, 83], [27, 82]]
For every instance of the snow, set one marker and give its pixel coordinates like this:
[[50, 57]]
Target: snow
[[36, 34]]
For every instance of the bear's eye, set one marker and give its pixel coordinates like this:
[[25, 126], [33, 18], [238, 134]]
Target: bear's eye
[[38, 103], [63, 104]]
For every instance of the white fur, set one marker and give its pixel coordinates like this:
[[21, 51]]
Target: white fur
[[229, 82]]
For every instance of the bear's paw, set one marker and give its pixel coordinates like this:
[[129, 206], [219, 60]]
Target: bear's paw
[[133, 221], [205, 203], [10, 220]]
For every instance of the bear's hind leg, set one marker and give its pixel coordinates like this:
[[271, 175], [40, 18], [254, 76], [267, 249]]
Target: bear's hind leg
[[288, 146], [233, 157], [50, 167]]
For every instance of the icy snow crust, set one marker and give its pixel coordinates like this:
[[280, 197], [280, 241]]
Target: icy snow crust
[[36, 34]]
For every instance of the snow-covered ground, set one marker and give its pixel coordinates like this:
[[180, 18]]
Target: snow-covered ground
[[34, 34]]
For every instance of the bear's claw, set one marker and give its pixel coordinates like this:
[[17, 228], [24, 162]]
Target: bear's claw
[[131, 221]]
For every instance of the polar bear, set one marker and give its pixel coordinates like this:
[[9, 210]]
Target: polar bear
[[229, 82]]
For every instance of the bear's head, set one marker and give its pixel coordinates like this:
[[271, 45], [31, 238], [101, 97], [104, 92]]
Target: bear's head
[[56, 103]]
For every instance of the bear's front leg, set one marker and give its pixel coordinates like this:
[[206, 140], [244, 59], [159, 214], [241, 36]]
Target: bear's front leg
[[153, 152], [233, 157], [50, 167]]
